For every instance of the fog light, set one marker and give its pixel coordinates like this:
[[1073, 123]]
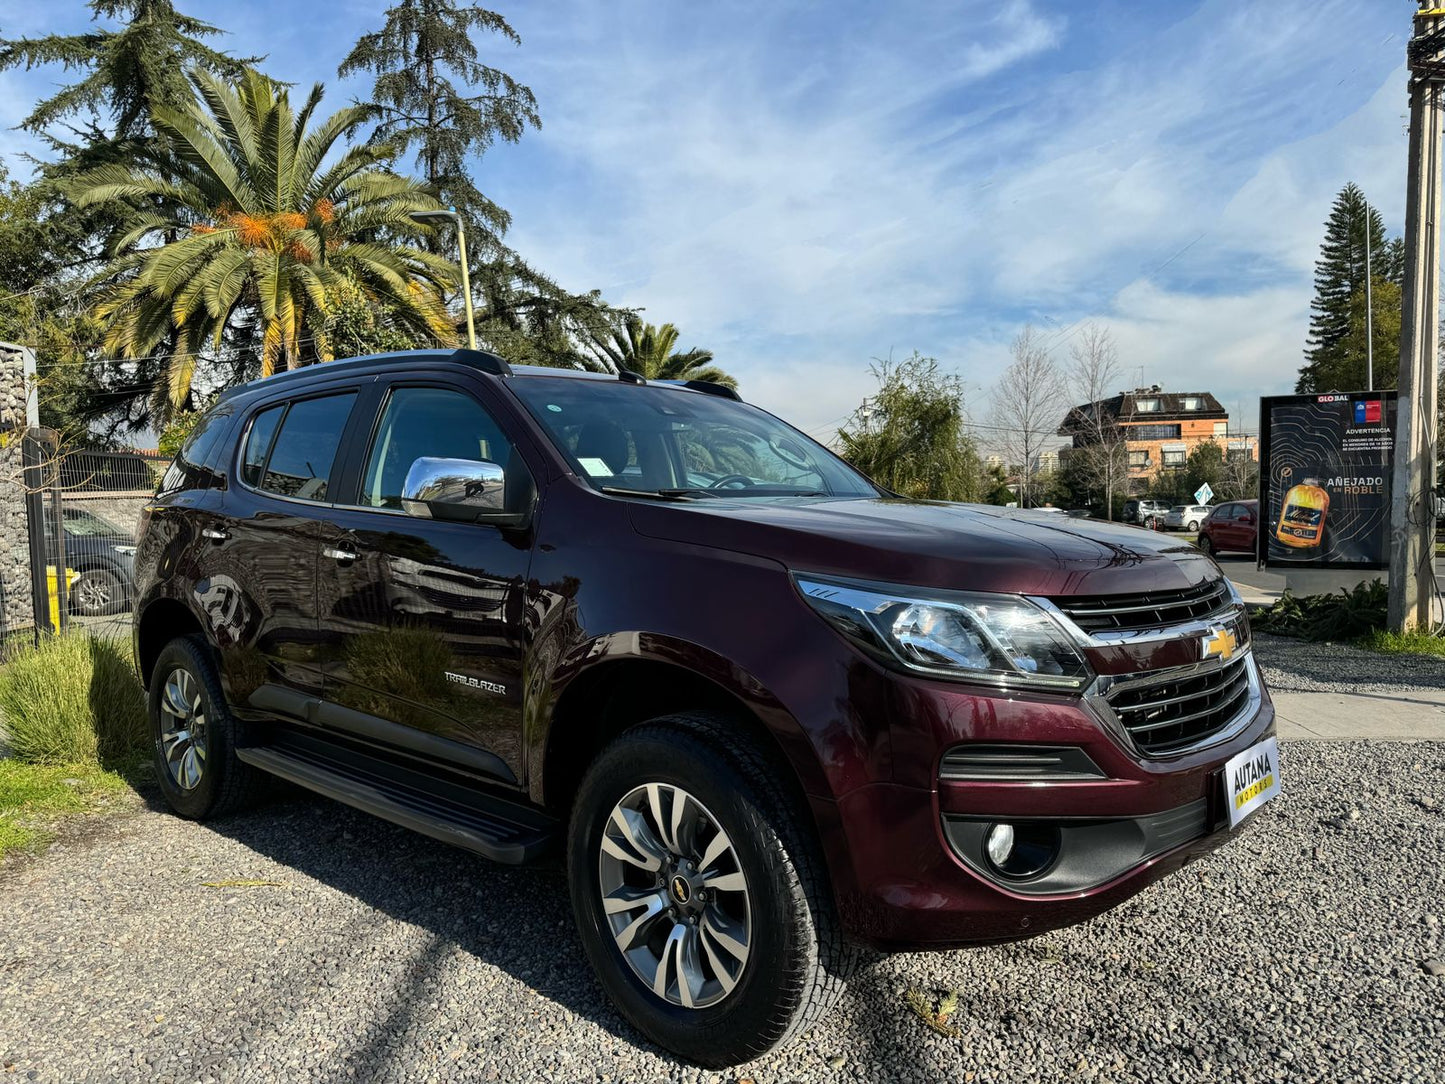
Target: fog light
[[1000, 844], [1022, 851]]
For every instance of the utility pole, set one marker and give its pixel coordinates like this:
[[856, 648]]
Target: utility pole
[[1412, 517], [1369, 310]]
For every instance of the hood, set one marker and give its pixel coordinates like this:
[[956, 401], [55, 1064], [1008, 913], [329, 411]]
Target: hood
[[935, 544]]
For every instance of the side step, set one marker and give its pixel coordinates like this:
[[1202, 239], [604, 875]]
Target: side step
[[463, 816]]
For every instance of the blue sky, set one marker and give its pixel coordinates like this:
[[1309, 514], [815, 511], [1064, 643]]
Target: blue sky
[[803, 187]]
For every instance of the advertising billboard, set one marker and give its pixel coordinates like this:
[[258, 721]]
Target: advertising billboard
[[1324, 479]]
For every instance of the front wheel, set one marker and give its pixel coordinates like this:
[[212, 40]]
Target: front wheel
[[699, 894], [1206, 547]]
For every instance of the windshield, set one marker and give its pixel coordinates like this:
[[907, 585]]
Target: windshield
[[658, 440]]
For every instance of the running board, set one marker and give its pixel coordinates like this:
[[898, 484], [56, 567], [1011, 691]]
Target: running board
[[463, 816]]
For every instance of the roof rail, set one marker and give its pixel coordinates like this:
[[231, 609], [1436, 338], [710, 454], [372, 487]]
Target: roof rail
[[483, 360], [708, 387]]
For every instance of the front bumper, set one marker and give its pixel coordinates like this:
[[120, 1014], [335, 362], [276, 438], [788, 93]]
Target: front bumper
[[918, 879]]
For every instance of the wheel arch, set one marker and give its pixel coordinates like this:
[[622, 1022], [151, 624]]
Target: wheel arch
[[158, 624], [615, 694]]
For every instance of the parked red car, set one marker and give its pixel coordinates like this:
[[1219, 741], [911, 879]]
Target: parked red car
[[1231, 527]]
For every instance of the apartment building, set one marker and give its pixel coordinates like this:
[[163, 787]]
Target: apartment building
[[1158, 430]]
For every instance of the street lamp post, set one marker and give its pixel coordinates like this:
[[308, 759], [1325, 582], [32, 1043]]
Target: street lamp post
[[425, 218]]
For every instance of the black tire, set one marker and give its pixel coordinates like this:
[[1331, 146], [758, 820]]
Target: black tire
[[798, 962], [1192, 525], [97, 593], [1206, 547], [224, 784]]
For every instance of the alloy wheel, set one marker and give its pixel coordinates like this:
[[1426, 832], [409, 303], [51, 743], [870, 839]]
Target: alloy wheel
[[675, 895], [92, 594], [183, 729]]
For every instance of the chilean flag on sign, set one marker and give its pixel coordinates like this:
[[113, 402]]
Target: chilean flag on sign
[[1367, 412]]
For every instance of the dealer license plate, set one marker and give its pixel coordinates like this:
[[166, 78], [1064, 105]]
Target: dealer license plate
[[1251, 778]]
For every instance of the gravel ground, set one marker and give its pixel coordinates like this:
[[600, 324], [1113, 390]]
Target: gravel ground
[[369, 953], [1298, 666]]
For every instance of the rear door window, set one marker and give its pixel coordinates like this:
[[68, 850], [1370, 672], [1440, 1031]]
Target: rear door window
[[258, 443], [303, 452]]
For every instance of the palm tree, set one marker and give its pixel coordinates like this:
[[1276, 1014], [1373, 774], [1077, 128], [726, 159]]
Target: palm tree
[[649, 352], [248, 220]]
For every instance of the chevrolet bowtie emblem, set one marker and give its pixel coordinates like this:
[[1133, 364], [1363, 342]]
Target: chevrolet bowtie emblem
[[1220, 644]]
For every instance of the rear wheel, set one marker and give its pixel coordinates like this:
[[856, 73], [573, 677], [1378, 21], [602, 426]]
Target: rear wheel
[[1206, 546], [195, 736], [1192, 525], [699, 894]]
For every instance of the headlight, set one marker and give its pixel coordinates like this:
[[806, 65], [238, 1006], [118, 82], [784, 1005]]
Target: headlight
[[129, 551], [968, 636]]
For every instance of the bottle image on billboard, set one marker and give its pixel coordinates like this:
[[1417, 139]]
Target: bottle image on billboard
[[1302, 521]]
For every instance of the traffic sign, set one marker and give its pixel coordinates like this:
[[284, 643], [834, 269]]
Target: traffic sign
[[1204, 494]]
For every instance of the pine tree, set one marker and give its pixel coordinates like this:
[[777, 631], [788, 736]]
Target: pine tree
[[423, 112], [128, 73], [1335, 355]]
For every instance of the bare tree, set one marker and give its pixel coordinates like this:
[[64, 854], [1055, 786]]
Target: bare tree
[[1101, 457], [1028, 401]]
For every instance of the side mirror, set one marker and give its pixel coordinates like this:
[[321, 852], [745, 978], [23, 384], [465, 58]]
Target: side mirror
[[463, 490]]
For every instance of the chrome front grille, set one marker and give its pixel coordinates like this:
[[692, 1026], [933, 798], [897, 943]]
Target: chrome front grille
[[1171, 711], [1147, 610]]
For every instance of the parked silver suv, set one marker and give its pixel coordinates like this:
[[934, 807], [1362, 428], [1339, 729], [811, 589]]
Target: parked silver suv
[[1145, 512]]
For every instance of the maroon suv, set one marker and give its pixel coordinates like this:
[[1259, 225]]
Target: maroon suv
[[768, 711]]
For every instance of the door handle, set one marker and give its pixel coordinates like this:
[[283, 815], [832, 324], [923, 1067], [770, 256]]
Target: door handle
[[336, 553], [215, 534]]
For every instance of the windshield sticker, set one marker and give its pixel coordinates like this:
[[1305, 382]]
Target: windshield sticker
[[597, 468], [554, 408]]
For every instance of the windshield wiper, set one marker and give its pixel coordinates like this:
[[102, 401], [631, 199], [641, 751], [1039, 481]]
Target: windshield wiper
[[651, 494], [695, 493]]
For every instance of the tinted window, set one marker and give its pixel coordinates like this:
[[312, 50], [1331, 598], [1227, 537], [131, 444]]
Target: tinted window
[[647, 438], [302, 454], [196, 463], [258, 443], [427, 422]]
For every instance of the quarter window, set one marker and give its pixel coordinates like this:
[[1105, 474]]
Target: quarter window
[[304, 450], [195, 465], [421, 422]]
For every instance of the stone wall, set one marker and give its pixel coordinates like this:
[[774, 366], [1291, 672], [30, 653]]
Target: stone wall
[[17, 611]]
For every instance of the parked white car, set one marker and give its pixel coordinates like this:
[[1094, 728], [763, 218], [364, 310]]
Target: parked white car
[[1186, 517]]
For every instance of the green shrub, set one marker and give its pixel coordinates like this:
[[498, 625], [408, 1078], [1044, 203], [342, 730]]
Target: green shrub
[[1344, 615], [72, 700]]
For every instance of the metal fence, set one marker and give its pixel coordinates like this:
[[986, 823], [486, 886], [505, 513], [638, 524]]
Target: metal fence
[[83, 515]]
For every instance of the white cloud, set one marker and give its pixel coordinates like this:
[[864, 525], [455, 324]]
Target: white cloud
[[803, 187], [801, 206]]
